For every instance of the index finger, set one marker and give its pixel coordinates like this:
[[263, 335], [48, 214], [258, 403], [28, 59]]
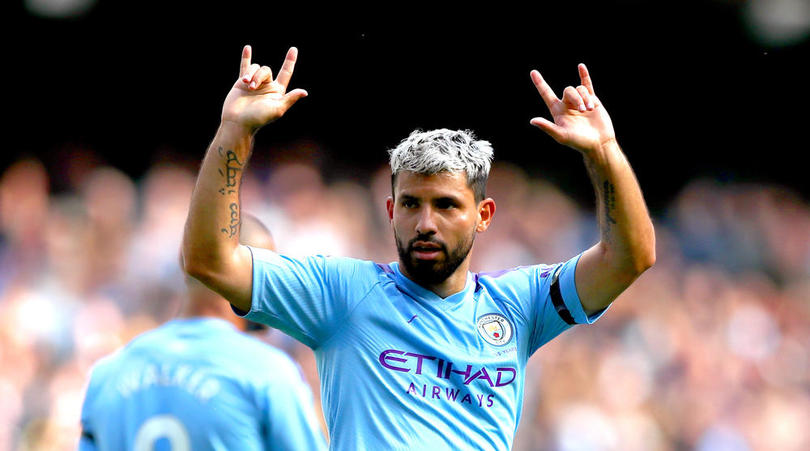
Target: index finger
[[544, 89], [585, 77], [286, 71], [245, 63]]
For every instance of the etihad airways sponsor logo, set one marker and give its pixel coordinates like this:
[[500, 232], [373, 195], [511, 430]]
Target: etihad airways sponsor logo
[[451, 375], [451, 394], [411, 362]]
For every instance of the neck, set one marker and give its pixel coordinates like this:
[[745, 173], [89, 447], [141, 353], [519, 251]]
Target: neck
[[455, 283], [199, 305]]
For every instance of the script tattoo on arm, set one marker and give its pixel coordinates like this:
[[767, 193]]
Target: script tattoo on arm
[[235, 222], [232, 172], [609, 194], [606, 193]]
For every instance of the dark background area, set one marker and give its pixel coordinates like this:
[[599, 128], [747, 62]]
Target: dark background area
[[691, 94]]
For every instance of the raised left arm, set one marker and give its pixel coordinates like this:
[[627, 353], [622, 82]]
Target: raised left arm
[[627, 245]]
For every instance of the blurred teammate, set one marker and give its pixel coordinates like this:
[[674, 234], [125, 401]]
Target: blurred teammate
[[420, 352], [198, 383]]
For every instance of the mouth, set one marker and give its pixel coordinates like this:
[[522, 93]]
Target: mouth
[[426, 250]]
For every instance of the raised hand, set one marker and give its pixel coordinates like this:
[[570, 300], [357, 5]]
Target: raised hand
[[256, 98], [580, 120]]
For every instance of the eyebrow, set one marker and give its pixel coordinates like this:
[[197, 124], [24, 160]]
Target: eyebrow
[[450, 199], [444, 198]]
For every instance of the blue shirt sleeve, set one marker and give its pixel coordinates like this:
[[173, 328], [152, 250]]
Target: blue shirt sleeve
[[306, 298], [552, 318]]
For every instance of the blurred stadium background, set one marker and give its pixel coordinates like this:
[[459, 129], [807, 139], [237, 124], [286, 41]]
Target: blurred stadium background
[[112, 105]]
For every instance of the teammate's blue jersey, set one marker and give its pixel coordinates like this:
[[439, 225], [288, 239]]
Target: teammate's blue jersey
[[402, 367], [198, 384]]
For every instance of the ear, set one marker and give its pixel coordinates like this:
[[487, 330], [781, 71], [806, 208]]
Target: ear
[[486, 210], [389, 205]]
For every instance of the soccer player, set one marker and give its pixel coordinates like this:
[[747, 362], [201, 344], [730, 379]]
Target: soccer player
[[419, 352], [198, 383]]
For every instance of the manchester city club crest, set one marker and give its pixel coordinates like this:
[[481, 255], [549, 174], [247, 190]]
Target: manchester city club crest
[[494, 328]]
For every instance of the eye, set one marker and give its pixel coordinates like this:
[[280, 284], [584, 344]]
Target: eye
[[445, 204], [409, 203]]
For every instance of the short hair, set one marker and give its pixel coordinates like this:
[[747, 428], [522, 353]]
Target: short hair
[[442, 150]]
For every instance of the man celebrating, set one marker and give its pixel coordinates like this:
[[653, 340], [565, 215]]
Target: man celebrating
[[420, 351], [198, 383]]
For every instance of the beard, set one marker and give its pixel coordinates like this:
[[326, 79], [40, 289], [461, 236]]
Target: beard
[[432, 272]]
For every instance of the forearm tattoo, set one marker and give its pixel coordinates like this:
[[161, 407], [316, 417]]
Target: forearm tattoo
[[609, 195], [606, 201], [232, 173], [235, 222]]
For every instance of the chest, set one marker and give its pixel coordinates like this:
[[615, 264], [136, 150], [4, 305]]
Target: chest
[[473, 343]]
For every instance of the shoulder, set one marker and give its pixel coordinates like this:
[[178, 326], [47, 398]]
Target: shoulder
[[268, 259], [154, 338], [251, 350], [268, 363], [104, 366], [354, 266], [516, 280], [110, 363], [144, 339], [101, 374]]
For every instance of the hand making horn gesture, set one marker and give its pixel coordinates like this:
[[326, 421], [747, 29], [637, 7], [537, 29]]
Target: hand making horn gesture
[[580, 120], [256, 98]]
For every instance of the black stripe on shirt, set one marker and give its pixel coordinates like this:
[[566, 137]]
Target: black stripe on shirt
[[557, 299]]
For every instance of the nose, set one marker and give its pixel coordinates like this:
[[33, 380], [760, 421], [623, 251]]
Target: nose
[[426, 224]]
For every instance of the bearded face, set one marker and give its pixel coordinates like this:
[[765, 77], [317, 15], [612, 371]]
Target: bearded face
[[428, 261], [435, 218]]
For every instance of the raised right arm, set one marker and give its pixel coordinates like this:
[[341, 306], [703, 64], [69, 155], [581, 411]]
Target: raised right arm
[[211, 249]]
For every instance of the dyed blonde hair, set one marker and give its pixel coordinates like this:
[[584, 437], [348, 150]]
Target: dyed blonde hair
[[443, 150]]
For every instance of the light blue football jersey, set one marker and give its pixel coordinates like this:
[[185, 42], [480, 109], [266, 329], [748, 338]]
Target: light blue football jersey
[[198, 384], [401, 367]]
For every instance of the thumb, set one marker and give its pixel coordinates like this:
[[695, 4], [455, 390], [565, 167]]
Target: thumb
[[552, 129], [293, 96]]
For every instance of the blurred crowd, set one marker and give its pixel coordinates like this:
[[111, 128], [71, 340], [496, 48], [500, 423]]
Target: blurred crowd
[[709, 350]]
